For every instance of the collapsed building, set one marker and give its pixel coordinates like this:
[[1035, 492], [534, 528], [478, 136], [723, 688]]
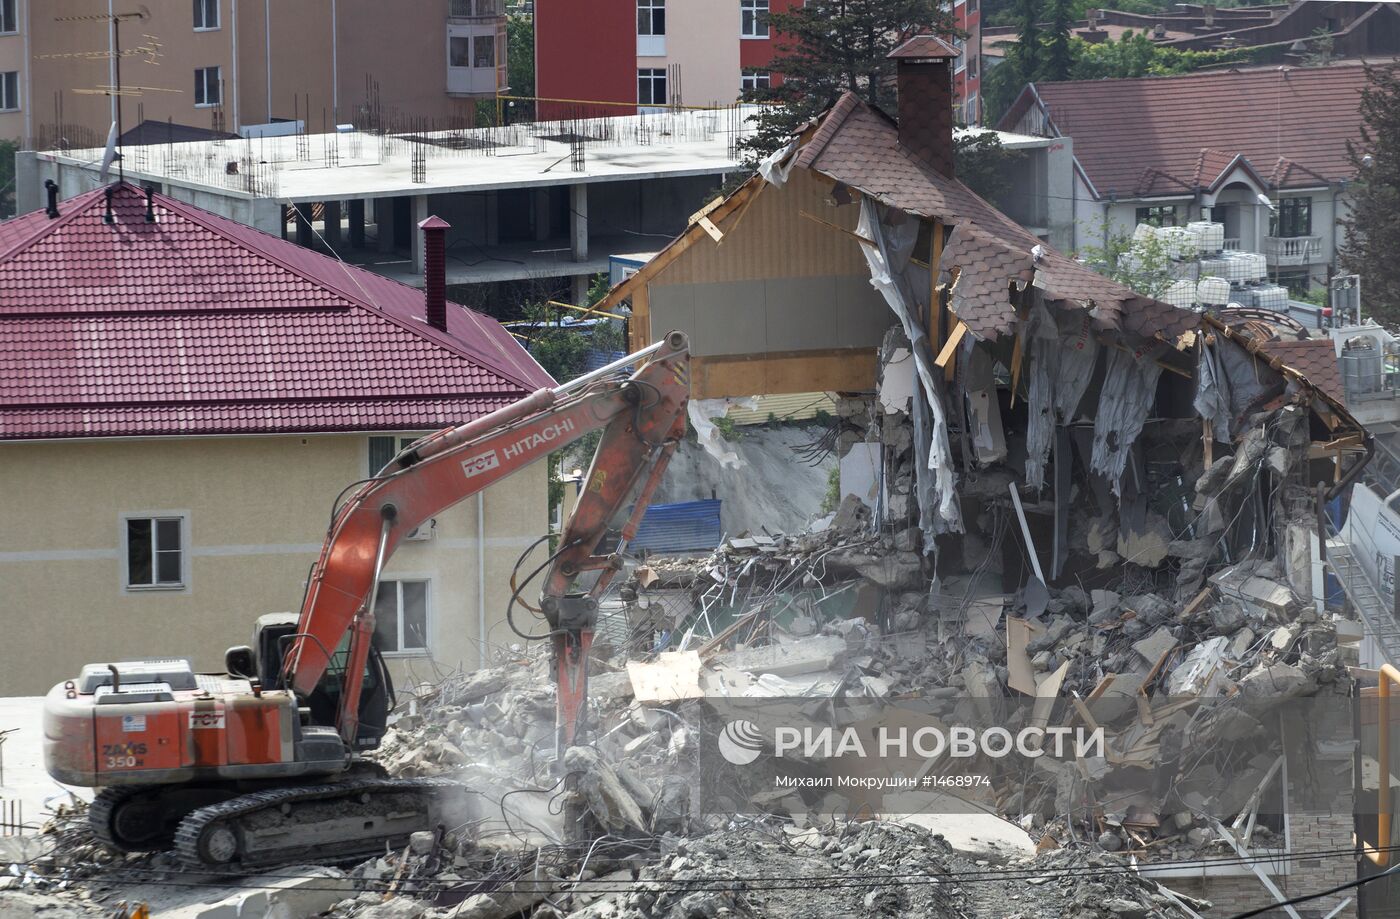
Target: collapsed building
[[1064, 505]]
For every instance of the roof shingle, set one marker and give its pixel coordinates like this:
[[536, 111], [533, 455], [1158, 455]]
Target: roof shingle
[[1254, 112], [858, 145]]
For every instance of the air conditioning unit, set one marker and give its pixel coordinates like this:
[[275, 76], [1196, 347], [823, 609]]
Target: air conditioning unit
[[422, 532]]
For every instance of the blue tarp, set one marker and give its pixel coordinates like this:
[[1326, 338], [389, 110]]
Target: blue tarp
[[692, 526], [596, 359]]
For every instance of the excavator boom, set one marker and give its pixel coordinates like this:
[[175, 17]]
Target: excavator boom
[[642, 416]]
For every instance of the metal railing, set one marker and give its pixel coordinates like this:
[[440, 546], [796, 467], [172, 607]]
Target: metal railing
[[1377, 619], [475, 9], [1292, 250], [1231, 244]]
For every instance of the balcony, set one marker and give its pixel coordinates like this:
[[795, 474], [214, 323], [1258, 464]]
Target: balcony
[[475, 9], [1293, 250]]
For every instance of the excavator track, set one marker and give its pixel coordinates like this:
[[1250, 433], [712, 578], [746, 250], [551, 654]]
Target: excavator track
[[334, 821], [113, 828]]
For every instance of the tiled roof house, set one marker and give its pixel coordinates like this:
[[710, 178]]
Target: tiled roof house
[[1262, 150], [182, 398]]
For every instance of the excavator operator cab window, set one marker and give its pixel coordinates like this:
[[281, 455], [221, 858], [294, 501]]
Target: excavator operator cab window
[[376, 695]]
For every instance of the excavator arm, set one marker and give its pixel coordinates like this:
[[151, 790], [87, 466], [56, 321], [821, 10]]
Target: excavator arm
[[642, 417]]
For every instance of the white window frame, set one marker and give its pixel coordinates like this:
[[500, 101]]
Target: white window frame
[[183, 585], [10, 78], [427, 582], [205, 6], [652, 7], [9, 17], [651, 75], [218, 86], [754, 13], [402, 443], [750, 77]]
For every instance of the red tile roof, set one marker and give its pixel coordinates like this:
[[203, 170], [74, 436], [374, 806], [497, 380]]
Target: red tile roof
[[858, 145], [196, 324], [1163, 135]]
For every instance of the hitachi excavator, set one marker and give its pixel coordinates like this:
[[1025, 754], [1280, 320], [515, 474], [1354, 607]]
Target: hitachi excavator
[[260, 765]]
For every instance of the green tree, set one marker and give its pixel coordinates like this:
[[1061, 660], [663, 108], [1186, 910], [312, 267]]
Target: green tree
[[520, 64], [828, 47], [1143, 265], [1059, 53], [8, 148], [1372, 230], [981, 162]]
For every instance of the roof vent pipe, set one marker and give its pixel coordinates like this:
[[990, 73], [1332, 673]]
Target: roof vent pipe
[[150, 204], [107, 214], [51, 187], [435, 271]]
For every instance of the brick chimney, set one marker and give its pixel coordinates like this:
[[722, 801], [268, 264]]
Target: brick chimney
[[435, 271], [926, 100]]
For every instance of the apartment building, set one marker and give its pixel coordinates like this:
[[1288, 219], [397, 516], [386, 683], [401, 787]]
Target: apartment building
[[641, 54], [231, 65], [967, 67]]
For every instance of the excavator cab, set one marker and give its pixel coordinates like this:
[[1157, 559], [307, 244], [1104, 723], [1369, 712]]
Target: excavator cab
[[272, 635]]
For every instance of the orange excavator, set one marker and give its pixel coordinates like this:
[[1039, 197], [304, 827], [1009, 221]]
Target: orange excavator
[[263, 764]]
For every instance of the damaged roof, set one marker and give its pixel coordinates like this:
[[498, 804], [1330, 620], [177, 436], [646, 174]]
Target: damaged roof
[[195, 324], [858, 145]]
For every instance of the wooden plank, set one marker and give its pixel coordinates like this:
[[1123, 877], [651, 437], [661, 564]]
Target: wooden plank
[[739, 218], [1196, 602], [950, 347], [833, 370], [679, 245], [1020, 673], [709, 227], [837, 227], [1017, 355], [641, 317], [935, 296]]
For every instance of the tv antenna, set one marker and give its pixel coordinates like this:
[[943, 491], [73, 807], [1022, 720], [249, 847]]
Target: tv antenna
[[149, 49]]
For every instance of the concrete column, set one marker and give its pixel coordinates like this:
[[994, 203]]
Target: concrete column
[[384, 223], [578, 221], [357, 222], [1059, 193], [304, 235], [541, 201], [493, 218], [420, 214], [332, 228], [579, 288]]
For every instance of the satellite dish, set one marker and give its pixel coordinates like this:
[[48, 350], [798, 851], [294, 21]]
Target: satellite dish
[[111, 155]]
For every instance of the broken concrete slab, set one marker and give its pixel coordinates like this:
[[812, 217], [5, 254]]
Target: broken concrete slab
[[603, 791], [806, 655], [975, 833], [673, 675], [1155, 645]]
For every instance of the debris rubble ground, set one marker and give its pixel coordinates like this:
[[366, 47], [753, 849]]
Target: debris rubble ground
[[1187, 611], [1185, 601]]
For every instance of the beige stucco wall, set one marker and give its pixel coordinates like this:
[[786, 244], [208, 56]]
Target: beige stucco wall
[[703, 38], [403, 56], [12, 59], [258, 509]]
